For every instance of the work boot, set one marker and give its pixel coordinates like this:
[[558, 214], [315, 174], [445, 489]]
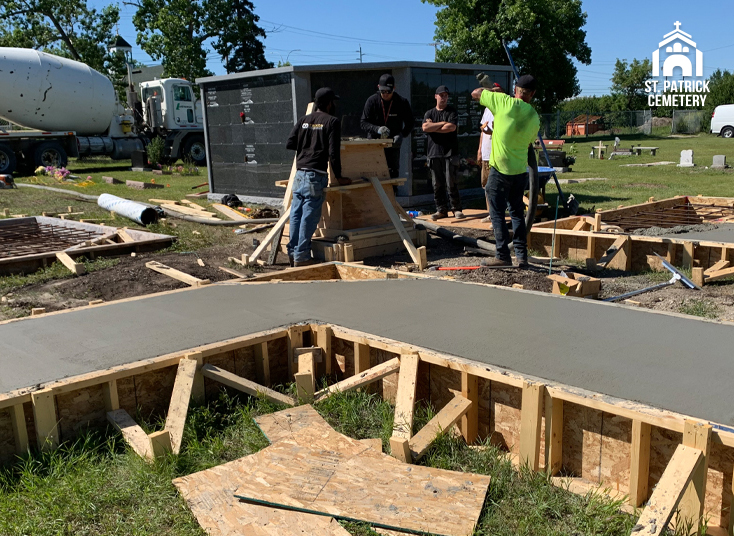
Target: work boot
[[438, 215], [522, 263], [291, 261], [309, 262], [459, 215], [495, 263], [487, 219]]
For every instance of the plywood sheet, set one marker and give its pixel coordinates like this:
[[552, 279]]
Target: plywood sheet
[[324, 471], [210, 496], [283, 424]]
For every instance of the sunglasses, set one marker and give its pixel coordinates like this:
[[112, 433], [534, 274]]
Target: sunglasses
[[386, 91]]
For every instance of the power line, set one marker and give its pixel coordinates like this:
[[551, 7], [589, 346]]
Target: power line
[[295, 29]]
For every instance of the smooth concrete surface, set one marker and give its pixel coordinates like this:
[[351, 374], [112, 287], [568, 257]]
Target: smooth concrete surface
[[680, 364], [723, 233]]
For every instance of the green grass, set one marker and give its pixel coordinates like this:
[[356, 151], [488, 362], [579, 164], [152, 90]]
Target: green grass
[[632, 185], [52, 272], [699, 307], [96, 486]]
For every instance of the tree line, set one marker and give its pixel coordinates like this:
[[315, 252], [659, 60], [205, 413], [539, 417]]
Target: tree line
[[174, 32]]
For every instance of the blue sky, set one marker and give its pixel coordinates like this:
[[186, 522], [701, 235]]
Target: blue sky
[[624, 29]]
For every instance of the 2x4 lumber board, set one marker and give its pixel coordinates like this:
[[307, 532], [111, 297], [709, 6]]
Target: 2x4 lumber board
[[361, 357], [44, 417], [125, 236], [612, 251], [295, 340], [274, 233], [470, 419], [405, 397], [73, 266], [231, 213], [696, 435], [530, 421], [179, 406], [407, 242], [198, 389], [305, 379], [133, 434], [443, 421], [245, 385], [688, 254], [160, 443], [553, 434], [20, 430], [262, 363], [669, 491], [697, 276], [176, 274], [639, 462], [719, 265], [323, 341], [360, 380], [719, 275], [110, 396]]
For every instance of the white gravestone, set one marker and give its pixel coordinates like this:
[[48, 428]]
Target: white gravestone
[[719, 161], [686, 158]]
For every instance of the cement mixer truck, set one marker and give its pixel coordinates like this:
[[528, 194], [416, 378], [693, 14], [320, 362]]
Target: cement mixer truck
[[73, 110]]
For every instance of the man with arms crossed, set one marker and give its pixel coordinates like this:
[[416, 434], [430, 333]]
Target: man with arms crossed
[[516, 125], [440, 124]]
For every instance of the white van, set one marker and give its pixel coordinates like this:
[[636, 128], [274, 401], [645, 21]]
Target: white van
[[722, 121]]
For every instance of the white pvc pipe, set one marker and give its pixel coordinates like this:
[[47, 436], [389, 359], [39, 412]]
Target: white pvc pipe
[[141, 214]]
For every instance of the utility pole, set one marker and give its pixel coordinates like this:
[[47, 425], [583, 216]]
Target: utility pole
[[360, 53]]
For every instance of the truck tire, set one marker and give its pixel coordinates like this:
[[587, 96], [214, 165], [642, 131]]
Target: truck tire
[[727, 132], [8, 162], [195, 150], [50, 153]]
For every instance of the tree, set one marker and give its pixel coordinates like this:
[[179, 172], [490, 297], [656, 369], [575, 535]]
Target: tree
[[628, 83], [66, 28], [176, 32], [544, 36], [721, 89], [236, 27]]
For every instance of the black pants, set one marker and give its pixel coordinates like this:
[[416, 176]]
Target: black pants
[[392, 155], [443, 174], [504, 190]]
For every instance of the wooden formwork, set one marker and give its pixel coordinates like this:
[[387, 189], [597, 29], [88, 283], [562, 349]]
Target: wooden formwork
[[586, 440], [590, 237]]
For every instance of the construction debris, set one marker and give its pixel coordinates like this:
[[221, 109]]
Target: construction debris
[[176, 274]]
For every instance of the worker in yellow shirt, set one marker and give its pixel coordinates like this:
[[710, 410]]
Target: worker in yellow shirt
[[516, 125]]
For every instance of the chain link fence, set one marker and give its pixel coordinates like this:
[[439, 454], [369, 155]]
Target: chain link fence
[[690, 121], [581, 124]]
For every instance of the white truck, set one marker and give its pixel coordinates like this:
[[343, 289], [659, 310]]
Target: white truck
[[74, 111]]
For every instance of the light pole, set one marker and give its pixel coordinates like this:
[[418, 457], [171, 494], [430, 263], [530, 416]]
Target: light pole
[[288, 55]]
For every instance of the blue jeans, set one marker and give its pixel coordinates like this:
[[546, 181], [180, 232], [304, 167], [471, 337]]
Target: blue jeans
[[503, 191], [308, 197]]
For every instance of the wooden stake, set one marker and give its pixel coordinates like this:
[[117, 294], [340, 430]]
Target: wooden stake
[[160, 443], [179, 406], [470, 419], [361, 358], [360, 380], [44, 417], [20, 430], [697, 276], [696, 435], [198, 390], [530, 420], [110, 396], [405, 398], [73, 266], [262, 363], [295, 340], [639, 462], [688, 254], [323, 341], [553, 434]]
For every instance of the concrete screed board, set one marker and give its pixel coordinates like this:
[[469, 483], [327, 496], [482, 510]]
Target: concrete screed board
[[667, 361]]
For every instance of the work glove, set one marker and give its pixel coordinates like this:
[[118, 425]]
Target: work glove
[[397, 140], [484, 80], [383, 131]]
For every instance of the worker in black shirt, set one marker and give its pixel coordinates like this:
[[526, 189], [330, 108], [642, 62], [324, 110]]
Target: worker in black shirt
[[440, 124], [388, 115], [317, 138]]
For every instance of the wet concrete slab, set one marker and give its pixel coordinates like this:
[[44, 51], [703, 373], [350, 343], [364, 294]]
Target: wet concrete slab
[[670, 362], [723, 233]]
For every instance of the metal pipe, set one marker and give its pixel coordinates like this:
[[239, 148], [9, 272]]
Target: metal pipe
[[142, 214]]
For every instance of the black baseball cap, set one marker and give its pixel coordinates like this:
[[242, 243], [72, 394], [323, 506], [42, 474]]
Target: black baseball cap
[[325, 95], [386, 83], [527, 81], [442, 89]]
